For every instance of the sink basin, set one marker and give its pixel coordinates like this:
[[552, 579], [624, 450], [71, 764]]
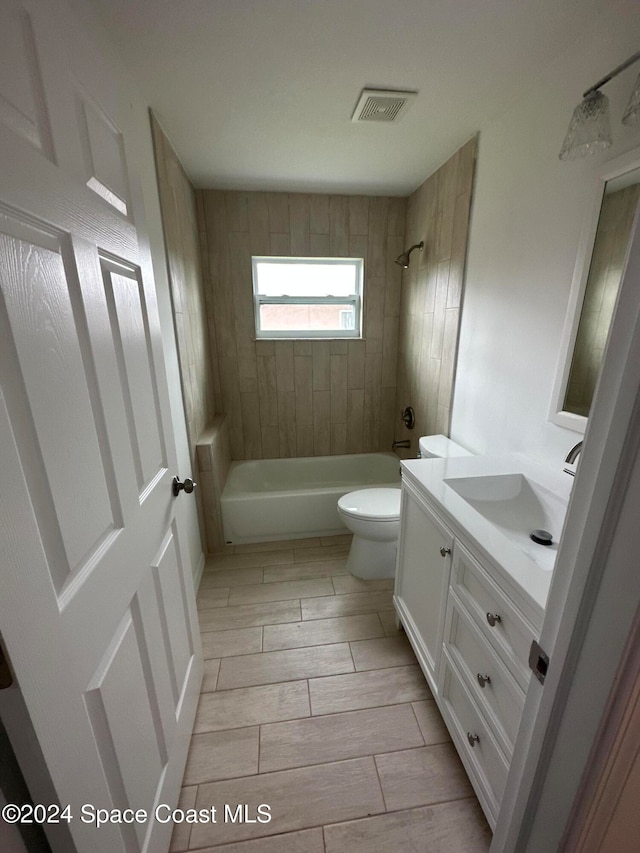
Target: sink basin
[[516, 505]]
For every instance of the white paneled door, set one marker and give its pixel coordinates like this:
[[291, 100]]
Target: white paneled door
[[96, 604]]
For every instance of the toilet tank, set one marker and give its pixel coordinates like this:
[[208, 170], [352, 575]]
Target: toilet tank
[[439, 446]]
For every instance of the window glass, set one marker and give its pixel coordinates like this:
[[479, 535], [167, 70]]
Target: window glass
[[308, 297]]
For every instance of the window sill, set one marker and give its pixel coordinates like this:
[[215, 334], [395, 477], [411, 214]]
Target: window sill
[[309, 338]]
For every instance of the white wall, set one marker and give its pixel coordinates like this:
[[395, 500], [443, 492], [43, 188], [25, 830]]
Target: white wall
[[527, 217]]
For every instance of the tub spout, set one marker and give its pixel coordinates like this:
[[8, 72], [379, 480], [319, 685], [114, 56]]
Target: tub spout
[[404, 443]]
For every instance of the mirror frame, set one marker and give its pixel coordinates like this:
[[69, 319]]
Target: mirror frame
[[607, 172]]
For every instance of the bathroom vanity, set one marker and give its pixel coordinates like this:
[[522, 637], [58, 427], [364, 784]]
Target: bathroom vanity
[[470, 592]]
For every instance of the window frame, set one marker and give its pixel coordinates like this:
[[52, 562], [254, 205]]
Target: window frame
[[355, 299]]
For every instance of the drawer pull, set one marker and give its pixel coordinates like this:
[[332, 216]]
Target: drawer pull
[[483, 679], [493, 619], [444, 551], [473, 739]]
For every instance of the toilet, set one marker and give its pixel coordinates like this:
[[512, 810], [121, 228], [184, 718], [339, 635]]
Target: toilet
[[373, 516]]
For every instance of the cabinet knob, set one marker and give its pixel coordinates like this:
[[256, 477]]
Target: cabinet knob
[[493, 619], [473, 739], [483, 679], [444, 551]]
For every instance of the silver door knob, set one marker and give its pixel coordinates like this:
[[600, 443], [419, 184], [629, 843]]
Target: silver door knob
[[493, 619], [473, 739], [178, 486], [483, 679], [444, 551]]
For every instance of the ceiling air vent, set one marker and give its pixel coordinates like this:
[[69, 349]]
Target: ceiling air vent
[[382, 105]]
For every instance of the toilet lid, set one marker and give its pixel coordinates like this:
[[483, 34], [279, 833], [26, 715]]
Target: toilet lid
[[372, 504]]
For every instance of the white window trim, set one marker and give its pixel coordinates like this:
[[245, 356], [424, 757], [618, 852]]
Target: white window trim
[[296, 334]]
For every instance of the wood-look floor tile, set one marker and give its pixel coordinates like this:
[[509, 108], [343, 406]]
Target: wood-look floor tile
[[379, 654], [318, 740], [318, 632], [279, 545], [422, 777], [288, 665], [430, 720], [349, 583], [210, 675], [306, 841], [251, 560], [457, 827], [388, 619], [370, 689], [222, 551], [215, 597], [284, 591], [224, 644], [222, 755], [351, 604], [182, 831], [300, 571], [326, 552], [299, 799], [252, 706], [249, 615], [230, 577], [340, 539]]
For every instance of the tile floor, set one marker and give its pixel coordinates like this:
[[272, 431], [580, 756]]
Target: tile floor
[[313, 703]]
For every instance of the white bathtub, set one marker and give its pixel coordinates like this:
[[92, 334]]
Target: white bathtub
[[268, 499]]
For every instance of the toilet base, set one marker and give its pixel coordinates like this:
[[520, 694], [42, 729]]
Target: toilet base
[[371, 560]]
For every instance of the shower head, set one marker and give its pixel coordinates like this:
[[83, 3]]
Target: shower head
[[403, 259]]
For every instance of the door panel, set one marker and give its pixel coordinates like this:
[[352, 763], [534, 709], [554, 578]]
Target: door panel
[[129, 325], [103, 154], [173, 603], [42, 355], [22, 104]]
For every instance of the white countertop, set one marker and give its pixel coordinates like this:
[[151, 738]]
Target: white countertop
[[428, 476]]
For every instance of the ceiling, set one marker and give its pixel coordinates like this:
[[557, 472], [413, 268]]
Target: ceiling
[[258, 94]]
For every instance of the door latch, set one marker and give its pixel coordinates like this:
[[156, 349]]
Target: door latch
[[538, 661]]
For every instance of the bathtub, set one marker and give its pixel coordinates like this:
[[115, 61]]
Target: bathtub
[[268, 499]]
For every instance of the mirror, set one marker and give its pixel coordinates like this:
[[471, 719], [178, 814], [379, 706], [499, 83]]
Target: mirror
[[594, 294]]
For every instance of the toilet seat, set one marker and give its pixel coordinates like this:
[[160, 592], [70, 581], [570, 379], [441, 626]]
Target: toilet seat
[[379, 505]]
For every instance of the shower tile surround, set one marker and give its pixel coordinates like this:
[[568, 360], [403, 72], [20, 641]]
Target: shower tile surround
[[198, 371], [336, 730], [432, 289], [315, 398], [304, 398], [260, 399], [180, 225]]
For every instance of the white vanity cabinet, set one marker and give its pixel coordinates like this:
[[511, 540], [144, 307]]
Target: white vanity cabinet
[[471, 632], [422, 579]]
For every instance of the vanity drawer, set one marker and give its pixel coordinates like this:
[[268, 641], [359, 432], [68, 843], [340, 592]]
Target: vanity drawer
[[480, 753], [501, 698], [510, 634]]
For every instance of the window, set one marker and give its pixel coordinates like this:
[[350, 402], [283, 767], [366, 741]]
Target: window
[[307, 297]]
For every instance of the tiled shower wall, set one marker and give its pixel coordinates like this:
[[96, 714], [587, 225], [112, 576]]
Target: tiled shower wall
[[303, 398], [207, 434], [438, 213], [180, 226]]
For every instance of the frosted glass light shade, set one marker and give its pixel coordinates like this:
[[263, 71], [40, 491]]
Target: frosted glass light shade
[[589, 128], [632, 112]]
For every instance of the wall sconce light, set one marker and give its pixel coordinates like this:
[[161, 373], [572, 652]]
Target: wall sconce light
[[403, 259], [590, 128]]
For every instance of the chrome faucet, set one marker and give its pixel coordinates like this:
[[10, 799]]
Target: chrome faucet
[[404, 443], [572, 455]]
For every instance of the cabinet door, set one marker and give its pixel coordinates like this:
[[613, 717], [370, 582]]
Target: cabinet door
[[423, 578]]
